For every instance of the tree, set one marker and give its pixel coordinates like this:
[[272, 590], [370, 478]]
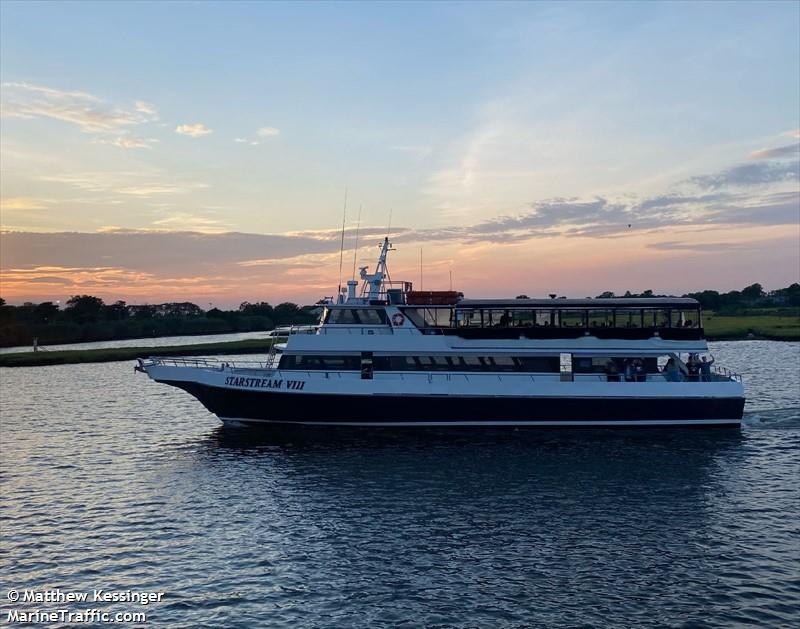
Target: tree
[[181, 309], [789, 296], [261, 309], [84, 308], [145, 311], [45, 312], [754, 292], [116, 311], [286, 312], [7, 313], [709, 299]]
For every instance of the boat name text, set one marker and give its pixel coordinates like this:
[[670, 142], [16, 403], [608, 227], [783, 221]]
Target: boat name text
[[264, 383]]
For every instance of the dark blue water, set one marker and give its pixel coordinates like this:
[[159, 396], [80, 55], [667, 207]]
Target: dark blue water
[[112, 481]]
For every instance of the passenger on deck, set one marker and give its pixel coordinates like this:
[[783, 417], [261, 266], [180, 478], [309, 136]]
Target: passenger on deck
[[705, 368], [693, 366], [612, 375], [671, 372], [628, 370], [639, 370]]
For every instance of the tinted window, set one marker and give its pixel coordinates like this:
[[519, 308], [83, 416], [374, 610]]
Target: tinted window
[[356, 316], [319, 362], [546, 364]]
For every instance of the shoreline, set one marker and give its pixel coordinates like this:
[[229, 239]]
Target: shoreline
[[56, 346], [114, 354], [249, 346]]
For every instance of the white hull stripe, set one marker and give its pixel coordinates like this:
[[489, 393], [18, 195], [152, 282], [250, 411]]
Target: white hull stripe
[[437, 424]]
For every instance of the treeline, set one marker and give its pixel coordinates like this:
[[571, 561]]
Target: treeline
[[87, 318], [751, 298]]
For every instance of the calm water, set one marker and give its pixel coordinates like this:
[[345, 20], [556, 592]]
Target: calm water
[[110, 480]]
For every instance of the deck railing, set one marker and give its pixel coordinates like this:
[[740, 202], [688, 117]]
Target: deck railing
[[290, 330], [718, 374], [207, 363]]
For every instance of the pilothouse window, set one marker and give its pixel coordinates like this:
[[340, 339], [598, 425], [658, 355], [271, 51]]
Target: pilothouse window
[[356, 316]]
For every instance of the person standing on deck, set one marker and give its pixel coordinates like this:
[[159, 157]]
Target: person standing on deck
[[705, 368]]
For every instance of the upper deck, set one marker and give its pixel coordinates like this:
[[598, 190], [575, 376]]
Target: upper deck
[[677, 319], [386, 310]]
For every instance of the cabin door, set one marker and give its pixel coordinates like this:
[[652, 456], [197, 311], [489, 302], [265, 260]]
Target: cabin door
[[366, 365], [565, 365]]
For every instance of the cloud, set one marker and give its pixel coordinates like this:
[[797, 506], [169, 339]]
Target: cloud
[[749, 175], [23, 203], [600, 217], [782, 151], [148, 190], [141, 184], [718, 247], [262, 133], [90, 113], [794, 133], [130, 142], [165, 250], [268, 132], [145, 108], [185, 221], [209, 261], [151, 251], [195, 130]]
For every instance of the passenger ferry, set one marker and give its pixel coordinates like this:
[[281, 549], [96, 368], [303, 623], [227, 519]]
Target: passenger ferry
[[390, 356]]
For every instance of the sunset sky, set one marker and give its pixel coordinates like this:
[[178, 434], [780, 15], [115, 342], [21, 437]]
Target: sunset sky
[[201, 151]]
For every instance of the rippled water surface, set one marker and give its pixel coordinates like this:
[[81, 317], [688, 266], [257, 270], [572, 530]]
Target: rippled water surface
[[110, 480]]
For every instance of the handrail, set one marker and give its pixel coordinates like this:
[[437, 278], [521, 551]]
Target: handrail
[[718, 374], [205, 363], [289, 330]]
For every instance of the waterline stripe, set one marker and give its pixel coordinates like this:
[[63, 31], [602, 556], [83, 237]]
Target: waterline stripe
[[439, 424]]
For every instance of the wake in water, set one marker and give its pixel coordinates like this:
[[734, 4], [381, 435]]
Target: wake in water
[[779, 417]]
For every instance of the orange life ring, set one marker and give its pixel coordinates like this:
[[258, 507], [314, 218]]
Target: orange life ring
[[398, 319]]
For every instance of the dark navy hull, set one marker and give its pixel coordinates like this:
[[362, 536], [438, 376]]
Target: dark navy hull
[[377, 410]]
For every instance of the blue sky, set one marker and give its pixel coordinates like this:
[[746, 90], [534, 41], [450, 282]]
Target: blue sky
[[146, 116]]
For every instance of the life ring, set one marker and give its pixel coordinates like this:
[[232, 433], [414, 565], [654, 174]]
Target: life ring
[[398, 319]]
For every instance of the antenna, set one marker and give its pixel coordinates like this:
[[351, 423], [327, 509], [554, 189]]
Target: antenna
[[420, 268], [341, 248], [355, 249], [451, 280], [389, 228]]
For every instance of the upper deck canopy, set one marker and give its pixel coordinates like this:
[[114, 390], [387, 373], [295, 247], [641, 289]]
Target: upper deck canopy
[[615, 302]]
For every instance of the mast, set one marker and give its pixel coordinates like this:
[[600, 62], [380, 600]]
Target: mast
[[373, 282]]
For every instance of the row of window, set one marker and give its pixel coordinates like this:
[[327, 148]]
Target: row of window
[[565, 318], [356, 316], [537, 364], [487, 318]]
